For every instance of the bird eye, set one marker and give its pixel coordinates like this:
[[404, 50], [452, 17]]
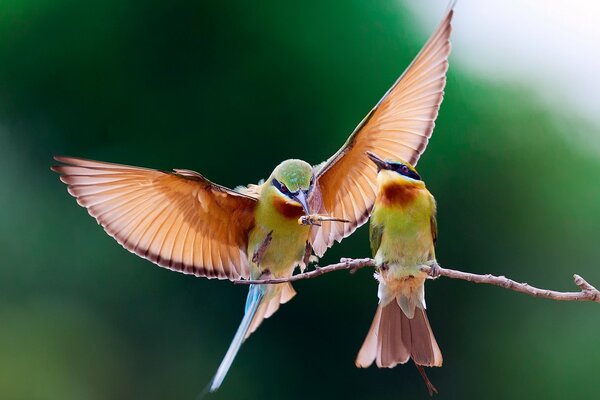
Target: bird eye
[[281, 187], [404, 169]]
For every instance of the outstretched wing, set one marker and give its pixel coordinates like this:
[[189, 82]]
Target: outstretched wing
[[178, 220], [399, 127]]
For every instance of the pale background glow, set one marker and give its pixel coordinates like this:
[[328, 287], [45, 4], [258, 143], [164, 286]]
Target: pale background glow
[[553, 47]]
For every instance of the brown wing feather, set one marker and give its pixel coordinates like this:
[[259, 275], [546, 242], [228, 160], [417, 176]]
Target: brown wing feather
[[180, 220], [399, 127], [434, 228]]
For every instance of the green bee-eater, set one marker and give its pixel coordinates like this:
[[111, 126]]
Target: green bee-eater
[[182, 221], [403, 232]]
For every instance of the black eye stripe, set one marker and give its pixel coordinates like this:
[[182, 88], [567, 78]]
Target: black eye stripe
[[286, 191], [404, 170], [282, 188], [279, 187]]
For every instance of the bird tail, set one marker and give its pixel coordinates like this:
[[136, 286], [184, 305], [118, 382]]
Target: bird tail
[[278, 294], [253, 301], [400, 331], [261, 303]]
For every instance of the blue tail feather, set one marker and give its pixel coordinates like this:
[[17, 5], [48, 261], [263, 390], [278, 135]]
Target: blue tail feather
[[255, 296]]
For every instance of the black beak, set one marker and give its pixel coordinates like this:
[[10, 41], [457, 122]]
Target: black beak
[[301, 198], [381, 164]]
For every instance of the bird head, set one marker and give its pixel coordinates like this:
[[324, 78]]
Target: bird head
[[395, 169], [292, 181]]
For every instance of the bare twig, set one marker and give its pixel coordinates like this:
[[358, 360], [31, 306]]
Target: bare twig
[[587, 292]]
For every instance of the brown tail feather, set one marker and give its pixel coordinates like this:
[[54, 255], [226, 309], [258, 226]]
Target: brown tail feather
[[394, 338], [368, 351], [270, 304], [425, 350]]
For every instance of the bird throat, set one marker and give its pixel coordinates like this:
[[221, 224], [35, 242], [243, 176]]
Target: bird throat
[[287, 209], [398, 194]]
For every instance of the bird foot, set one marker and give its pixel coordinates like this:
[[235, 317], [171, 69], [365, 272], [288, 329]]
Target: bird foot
[[434, 270]]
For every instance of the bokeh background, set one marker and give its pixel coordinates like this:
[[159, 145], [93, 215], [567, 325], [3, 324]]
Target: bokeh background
[[232, 88]]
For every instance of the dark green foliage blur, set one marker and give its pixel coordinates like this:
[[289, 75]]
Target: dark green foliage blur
[[230, 89]]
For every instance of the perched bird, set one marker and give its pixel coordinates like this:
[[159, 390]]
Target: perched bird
[[182, 221], [402, 233]]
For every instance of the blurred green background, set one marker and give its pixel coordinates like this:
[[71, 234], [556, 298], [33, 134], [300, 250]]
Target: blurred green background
[[231, 89]]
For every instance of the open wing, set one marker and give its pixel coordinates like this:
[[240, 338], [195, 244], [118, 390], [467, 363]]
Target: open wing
[[178, 220], [399, 127]]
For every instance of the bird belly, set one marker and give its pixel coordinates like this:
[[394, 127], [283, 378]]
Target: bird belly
[[405, 248], [406, 245], [401, 255], [284, 252]]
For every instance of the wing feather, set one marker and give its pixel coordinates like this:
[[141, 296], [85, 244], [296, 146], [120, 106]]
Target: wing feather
[[398, 127], [178, 220]]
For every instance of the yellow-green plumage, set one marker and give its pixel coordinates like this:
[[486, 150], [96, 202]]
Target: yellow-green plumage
[[402, 235], [276, 246], [402, 222], [277, 218], [286, 235], [277, 215]]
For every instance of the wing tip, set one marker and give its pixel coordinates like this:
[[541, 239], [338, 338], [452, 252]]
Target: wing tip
[[451, 6], [70, 160], [61, 159]]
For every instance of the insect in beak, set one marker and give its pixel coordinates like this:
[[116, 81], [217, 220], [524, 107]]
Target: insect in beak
[[316, 219]]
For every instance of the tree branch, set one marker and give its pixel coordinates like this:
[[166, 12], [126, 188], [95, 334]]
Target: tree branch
[[587, 292]]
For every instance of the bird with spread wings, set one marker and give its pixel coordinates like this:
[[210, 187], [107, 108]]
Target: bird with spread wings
[[181, 221]]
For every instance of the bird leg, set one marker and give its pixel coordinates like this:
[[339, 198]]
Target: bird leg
[[262, 249], [316, 219], [430, 388]]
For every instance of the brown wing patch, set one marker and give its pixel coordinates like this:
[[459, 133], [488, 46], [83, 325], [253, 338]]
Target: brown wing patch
[[180, 221], [399, 127]]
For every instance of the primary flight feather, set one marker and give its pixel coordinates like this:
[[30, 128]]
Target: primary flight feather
[[399, 127]]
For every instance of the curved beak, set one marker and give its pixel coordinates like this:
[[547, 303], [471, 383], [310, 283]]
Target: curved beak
[[381, 164], [301, 198]]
